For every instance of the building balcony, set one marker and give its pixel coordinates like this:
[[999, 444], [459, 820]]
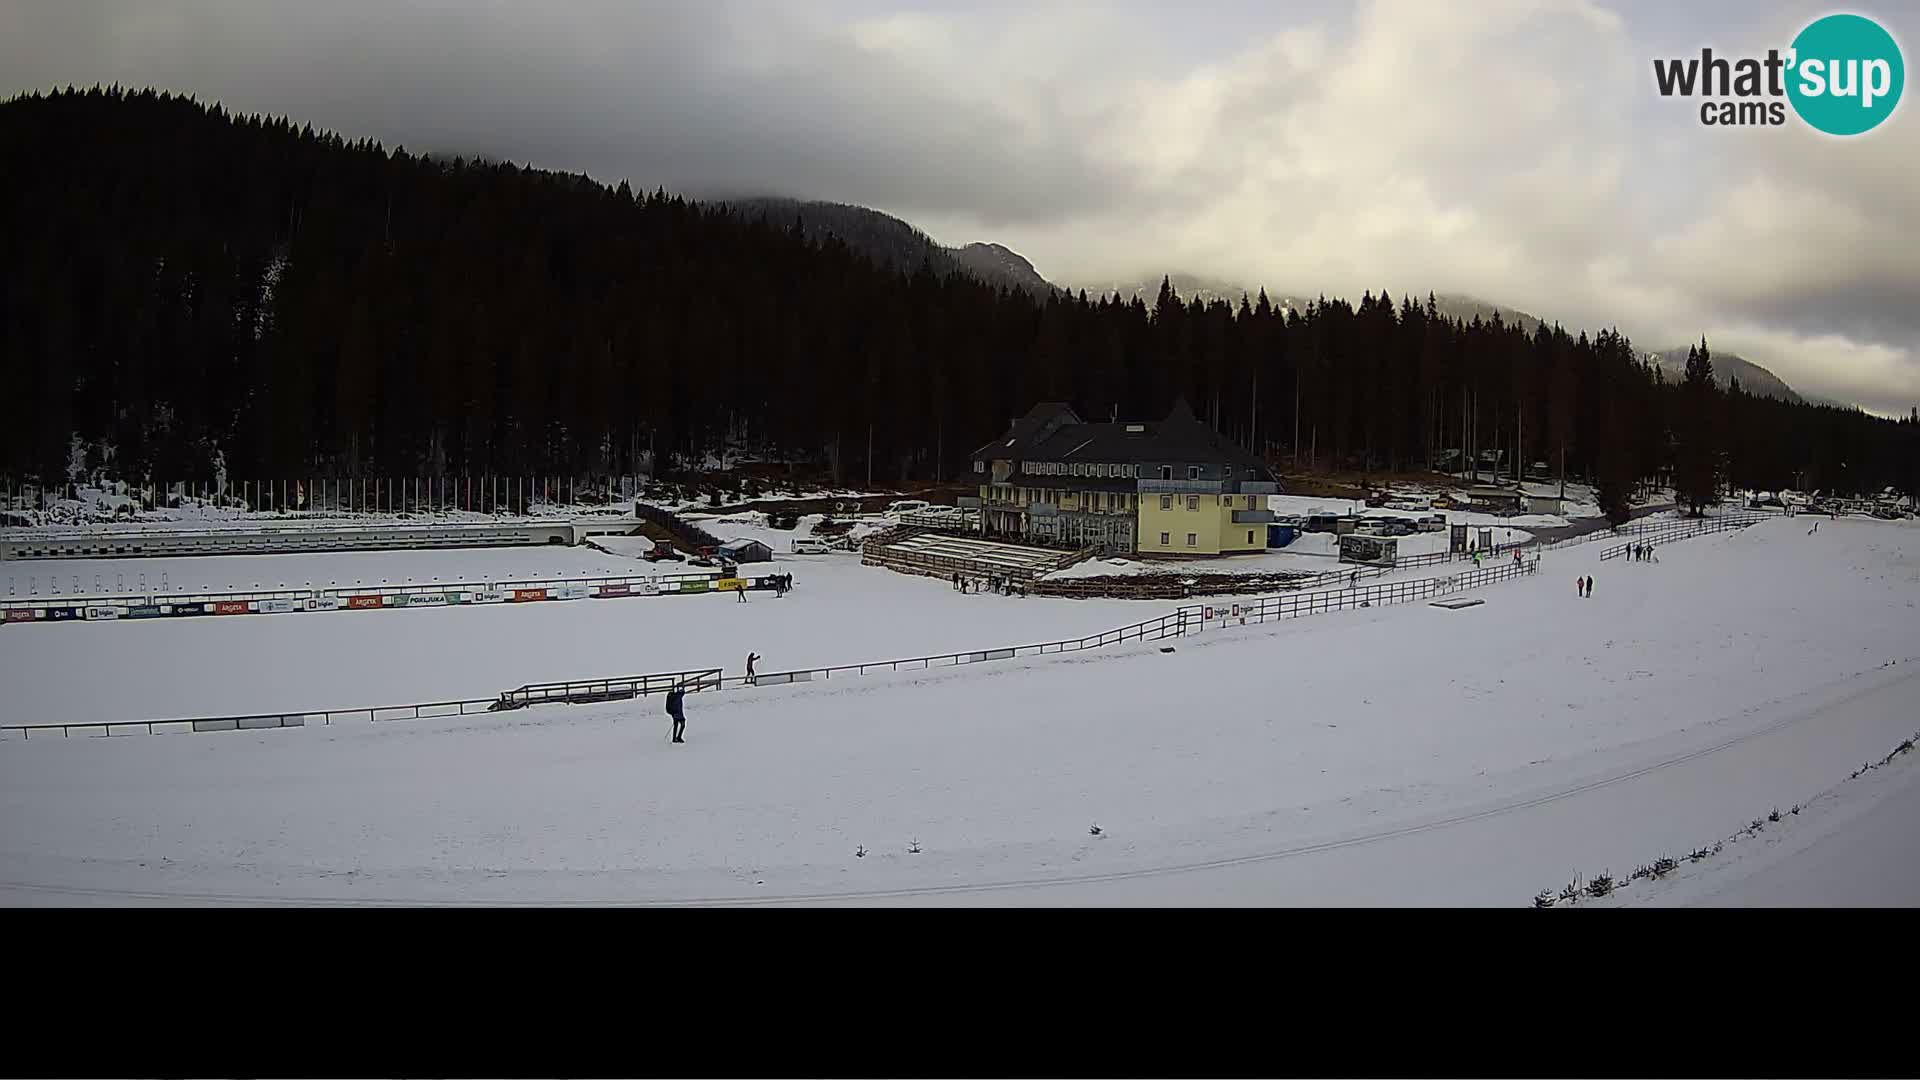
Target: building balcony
[[1182, 487], [1259, 487], [1253, 517]]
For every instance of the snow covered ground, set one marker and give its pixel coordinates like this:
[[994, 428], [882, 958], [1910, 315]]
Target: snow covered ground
[[1393, 756], [92, 577], [839, 611]]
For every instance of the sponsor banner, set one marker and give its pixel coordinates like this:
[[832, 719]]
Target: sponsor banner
[[103, 613], [730, 584], [614, 590], [699, 585], [487, 596], [280, 606], [230, 607], [425, 599], [62, 613], [570, 592], [647, 588], [21, 615], [324, 603], [523, 595], [366, 601], [149, 611]]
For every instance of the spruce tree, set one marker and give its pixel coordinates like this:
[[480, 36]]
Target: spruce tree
[[1697, 464]]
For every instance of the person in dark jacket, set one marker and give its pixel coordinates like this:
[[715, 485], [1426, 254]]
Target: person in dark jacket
[[752, 658], [676, 708]]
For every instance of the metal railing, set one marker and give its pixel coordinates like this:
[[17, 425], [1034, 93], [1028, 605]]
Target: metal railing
[[1680, 531], [621, 688], [258, 721]]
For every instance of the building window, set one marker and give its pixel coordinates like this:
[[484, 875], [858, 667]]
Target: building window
[[1193, 472], [979, 466], [1193, 539], [1165, 540], [1249, 536], [1166, 502], [1166, 472], [1193, 502]]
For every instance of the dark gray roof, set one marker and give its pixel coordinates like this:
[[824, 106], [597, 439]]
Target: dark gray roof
[[1052, 432]]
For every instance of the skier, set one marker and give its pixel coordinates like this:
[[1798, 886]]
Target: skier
[[1589, 586], [677, 709], [741, 592], [751, 677], [1580, 586]]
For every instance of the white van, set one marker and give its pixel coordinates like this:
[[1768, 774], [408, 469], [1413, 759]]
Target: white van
[[807, 545], [907, 506]]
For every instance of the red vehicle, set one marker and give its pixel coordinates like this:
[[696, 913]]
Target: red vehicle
[[662, 551]]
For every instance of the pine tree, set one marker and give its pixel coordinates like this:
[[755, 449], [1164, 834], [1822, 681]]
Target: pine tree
[[1697, 465]]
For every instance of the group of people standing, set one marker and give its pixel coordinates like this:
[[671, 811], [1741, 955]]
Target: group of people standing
[[1000, 585], [1642, 552], [1584, 585]]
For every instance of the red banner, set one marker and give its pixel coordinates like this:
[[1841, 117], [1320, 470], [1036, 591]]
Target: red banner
[[529, 594], [365, 601], [19, 615], [231, 607]]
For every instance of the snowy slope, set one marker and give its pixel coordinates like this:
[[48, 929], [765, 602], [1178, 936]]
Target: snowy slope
[[1401, 755]]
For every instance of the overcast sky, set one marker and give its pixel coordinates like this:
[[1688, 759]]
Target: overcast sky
[[1512, 149]]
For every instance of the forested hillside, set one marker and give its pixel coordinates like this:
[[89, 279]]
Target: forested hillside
[[181, 282]]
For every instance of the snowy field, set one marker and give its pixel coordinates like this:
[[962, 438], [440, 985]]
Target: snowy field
[[1508, 746], [839, 611], [318, 570]]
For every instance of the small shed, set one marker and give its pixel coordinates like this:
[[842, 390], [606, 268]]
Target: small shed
[[745, 551], [1545, 504]]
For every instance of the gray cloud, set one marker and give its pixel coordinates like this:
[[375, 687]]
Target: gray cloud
[[1514, 150]]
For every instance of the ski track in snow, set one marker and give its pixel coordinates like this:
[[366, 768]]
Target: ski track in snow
[[1510, 746]]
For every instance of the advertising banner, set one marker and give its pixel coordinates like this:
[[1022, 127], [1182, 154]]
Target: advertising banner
[[21, 615], [231, 607], [1368, 550], [521, 596], [324, 603], [570, 592], [148, 611], [487, 596], [103, 613], [613, 590], [280, 606], [366, 601], [697, 585], [425, 599]]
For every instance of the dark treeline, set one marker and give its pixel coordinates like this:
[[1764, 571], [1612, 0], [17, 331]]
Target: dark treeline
[[180, 283]]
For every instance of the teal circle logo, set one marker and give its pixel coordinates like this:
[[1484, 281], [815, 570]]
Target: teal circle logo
[[1846, 74]]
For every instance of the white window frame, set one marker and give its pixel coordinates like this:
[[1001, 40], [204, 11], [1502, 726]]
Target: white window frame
[[1166, 502], [1166, 539], [1193, 472], [1193, 539], [1193, 502]]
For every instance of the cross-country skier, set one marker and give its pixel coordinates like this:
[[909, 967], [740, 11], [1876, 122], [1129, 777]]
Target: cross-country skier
[[751, 658], [676, 708]]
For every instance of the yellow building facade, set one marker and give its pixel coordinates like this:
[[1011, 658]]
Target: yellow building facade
[[1171, 487]]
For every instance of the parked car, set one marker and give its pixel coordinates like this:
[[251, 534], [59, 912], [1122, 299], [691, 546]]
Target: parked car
[[808, 545], [907, 506], [700, 560]]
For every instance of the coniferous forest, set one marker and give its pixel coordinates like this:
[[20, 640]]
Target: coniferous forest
[[182, 285]]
